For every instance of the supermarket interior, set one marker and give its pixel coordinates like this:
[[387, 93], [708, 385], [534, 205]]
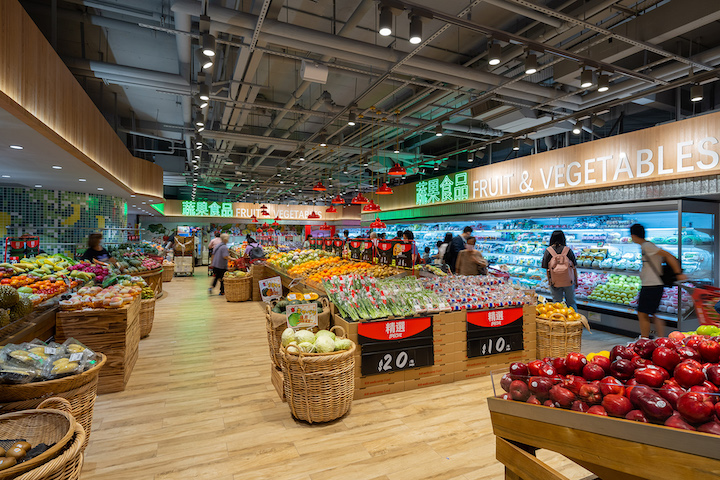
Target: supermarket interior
[[367, 239]]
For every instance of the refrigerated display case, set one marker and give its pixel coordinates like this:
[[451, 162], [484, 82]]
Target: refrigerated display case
[[608, 262]]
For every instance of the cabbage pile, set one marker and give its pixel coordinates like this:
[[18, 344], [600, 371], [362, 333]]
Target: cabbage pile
[[305, 341]]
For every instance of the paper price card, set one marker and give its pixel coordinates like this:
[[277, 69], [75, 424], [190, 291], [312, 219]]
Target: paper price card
[[303, 315], [270, 288]]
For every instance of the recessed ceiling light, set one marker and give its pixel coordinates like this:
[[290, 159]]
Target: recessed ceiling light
[[133, 196], [57, 167], [144, 203], [134, 205], [84, 180], [6, 176], [38, 186], [16, 147], [101, 188]]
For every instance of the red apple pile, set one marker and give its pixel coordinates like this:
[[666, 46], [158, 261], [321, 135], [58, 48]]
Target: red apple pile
[[671, 381]]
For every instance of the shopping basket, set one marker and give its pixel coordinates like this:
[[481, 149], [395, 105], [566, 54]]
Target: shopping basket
[[705, 297]]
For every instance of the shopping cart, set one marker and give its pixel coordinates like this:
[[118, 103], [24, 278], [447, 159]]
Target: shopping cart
[[704, 297]]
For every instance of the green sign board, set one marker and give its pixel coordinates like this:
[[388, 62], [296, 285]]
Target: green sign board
[[442, 189], [207, 209]]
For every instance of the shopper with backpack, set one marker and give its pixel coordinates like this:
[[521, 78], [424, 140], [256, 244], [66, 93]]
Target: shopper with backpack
[[654, 276], [253, 250], [560, 263]]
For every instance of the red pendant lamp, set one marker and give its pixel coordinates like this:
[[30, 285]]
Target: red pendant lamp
[[331, 209], [359, 199], [263, 207], [377, 223], [338, 200], [313, 215], [265, 213], [277, 219], [384, 190], [371, 207], [253, 219], [397, 170], [259, 230], [325, 226], [319, 187]]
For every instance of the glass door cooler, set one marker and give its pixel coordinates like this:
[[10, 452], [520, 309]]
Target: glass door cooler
[[608, 262]]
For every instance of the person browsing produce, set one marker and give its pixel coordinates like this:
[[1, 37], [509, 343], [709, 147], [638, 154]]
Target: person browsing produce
[[214, 243], [96, 252], [442, 248], [220, 263], [470, 261], [560, 265], [651, 290], [409, 237], [456, 246]]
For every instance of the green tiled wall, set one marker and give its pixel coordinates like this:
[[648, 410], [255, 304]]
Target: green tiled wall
[[62, 220]]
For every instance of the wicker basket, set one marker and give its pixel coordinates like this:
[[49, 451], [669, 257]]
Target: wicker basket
[[238, 289], [257, 271], [67, 466], [147, 316], [276, 323], [53, 427], [168, 272], [80, 390], [557, 338], [319, 387]]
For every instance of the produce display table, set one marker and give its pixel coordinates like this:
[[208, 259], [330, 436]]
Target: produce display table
[[154, 280], [291, 284], [40, 323], [401, 354], [611, 448], [113, 332]]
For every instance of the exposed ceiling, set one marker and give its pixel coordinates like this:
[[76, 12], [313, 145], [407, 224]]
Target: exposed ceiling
[[140, 62]]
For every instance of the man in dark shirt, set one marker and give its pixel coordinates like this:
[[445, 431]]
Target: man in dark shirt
[[456, 246]]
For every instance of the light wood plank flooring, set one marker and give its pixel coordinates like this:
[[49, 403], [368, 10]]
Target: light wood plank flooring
[[200, 405]]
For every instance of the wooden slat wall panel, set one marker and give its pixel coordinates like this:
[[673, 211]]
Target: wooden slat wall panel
[[37, 87]]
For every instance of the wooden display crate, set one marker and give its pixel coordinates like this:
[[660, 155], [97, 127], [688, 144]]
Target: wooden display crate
[[113, 332], [611, 448], [450, 362]]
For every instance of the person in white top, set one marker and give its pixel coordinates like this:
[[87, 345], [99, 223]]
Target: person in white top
[[652, 285], [440, 257]]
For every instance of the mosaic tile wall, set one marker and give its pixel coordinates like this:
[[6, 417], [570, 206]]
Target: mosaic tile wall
[[62, 220]]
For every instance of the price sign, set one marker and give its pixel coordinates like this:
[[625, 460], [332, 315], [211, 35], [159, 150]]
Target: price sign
[[328, 244], [302, 316], [270, 288], [338, 245], [402, 253], [385, 252], [367, 251], [355, 249], [490, 332], [393, 345]]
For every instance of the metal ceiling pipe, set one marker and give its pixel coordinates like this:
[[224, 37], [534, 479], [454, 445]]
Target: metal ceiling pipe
[[109, 7], [667, 73], [183, 43], [291, 34], [526, 12], [100, 68], [352, 22]]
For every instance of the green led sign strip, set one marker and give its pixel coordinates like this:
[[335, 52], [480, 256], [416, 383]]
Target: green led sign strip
[[206, 209], [441, 190]]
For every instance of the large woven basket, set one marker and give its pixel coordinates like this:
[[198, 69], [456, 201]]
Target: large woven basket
[[556, 338], [66, 466], [147, 316], [276, 323], [319, 387], [257, 271], [168, 272], [80, 390], [238, 289], [54, 427]]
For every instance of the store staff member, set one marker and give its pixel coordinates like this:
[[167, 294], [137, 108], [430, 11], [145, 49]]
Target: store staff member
[[96, 252]]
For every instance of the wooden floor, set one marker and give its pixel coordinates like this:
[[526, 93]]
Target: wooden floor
[[200, 405]]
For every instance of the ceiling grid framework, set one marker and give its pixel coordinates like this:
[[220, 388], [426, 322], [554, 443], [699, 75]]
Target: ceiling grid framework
[[262, 116]]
